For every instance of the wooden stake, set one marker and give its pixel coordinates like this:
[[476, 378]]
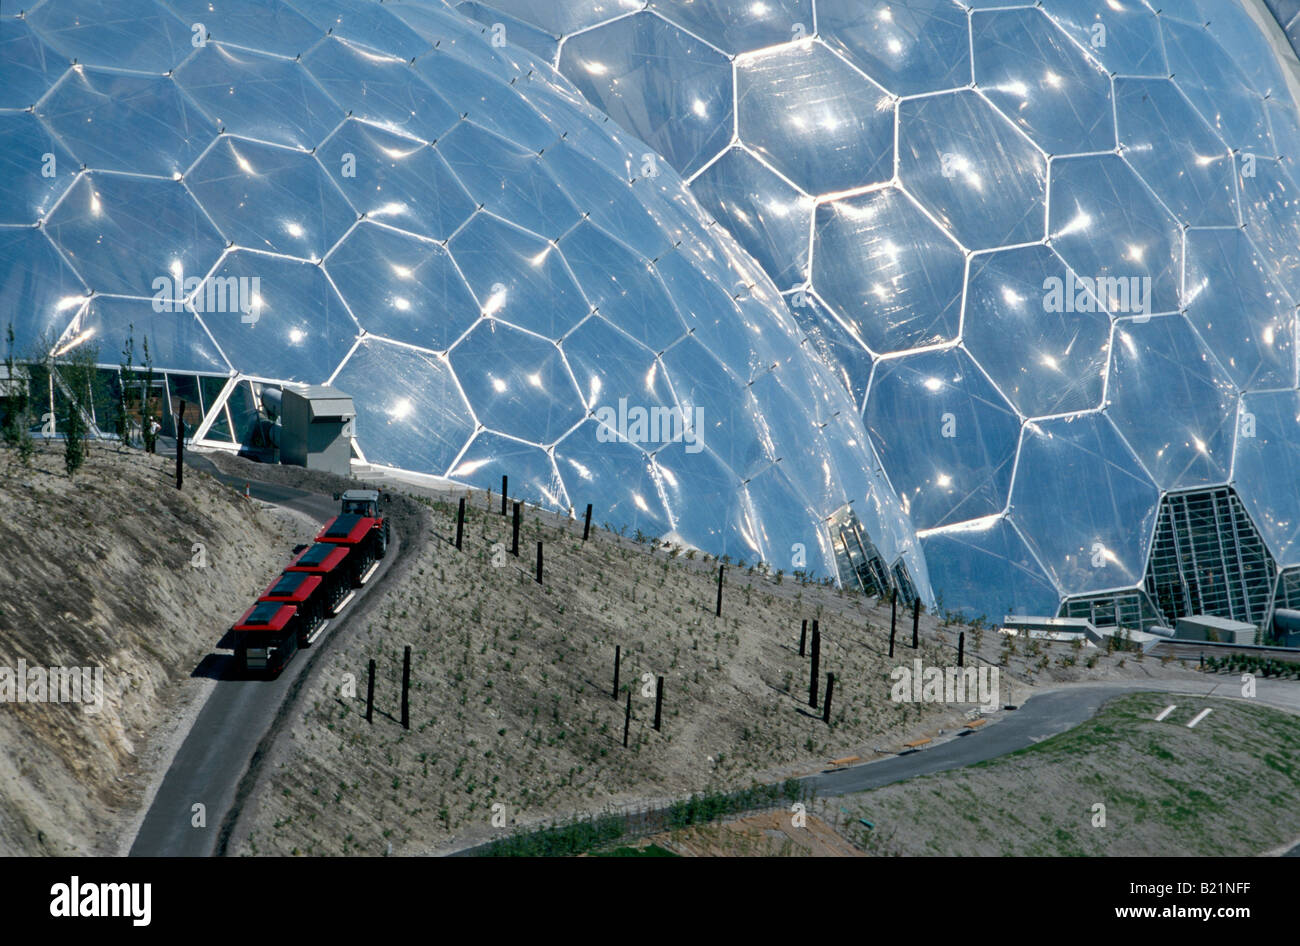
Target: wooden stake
[[406, 686]]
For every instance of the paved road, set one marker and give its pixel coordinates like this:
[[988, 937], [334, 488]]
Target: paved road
[[238, 713], [1041, 716]]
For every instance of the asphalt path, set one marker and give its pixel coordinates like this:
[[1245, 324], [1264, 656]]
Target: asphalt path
[[1040, 717], [237, 715]]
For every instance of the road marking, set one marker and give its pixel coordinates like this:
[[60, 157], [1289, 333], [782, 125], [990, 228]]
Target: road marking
[[1166, 711], [1199, 716]]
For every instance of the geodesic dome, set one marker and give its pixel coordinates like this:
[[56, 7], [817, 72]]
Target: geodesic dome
[[1050, 250], [383, 198]]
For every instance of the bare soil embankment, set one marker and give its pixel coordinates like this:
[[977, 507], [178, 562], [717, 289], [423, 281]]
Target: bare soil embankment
[[511, 690], [113, 569]]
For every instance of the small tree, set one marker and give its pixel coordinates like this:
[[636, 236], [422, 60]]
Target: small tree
[[17, 415], [122, 425], [78, 374], [146, 411]]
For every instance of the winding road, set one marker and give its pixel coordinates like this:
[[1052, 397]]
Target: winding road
[[238, 714]]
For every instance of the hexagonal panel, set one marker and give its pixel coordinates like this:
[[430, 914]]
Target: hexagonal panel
[[278, 27], [517, 383], [402, 287], [380, 89], [364, 24], [31, 67], [1046, 353], [517, 32], [609, 365], [1040, 79], [533, 476], [34, 172], [39, 294], [1175, 152], [122, 234], [920, 46], [814, 118], [844, 353], [1216, 86], [624, 289], [1106, 225], [946, 437], [176, 339], [485, 99], [985, 569], [722, 410], [662, 84], [1239, 310], [965, 162], [890, 275], [1270, 209], [396, 180], [236, 179], [1123, 35], [133, 124], [726, 517], [1267, 467], [738, 26], [517, 277], [258, 96], [1083, 504], [559, 19], [1172, 402], [619, 471], [297, 327], [768, 216], [139, 35], [410, 412], [512, 183]]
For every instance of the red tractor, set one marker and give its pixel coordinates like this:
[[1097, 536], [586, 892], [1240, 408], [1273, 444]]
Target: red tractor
[[360, 527]]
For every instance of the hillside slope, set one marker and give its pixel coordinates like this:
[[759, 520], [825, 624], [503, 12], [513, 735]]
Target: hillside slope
[[115, 570], [511, 699]]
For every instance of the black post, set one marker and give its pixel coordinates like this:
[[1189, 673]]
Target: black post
[[370, 695], [659, 701], [586, 526], [180, 447], [514, 543], [539, 563], [893, 619], [618, 654], [627, 717], [505, 482], [830, 689], [721, 569], [803, 637], [406, 686], [816, 662], [460, 523], [961, 649], [916, 620]]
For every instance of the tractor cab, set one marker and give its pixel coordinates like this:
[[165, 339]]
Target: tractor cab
[[361, 502]]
